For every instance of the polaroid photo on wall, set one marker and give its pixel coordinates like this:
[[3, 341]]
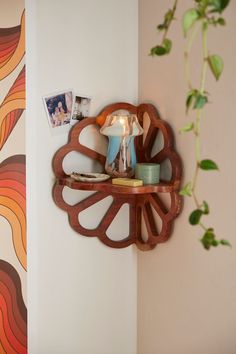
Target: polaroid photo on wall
[[59, 108], [81, 108]]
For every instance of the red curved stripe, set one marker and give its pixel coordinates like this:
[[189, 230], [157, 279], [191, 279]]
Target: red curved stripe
[[12, 180], [5, 55], [13, 202], [18, 306], [15, 159], [13, 163], [12, 192], [5, 291], [19, 84], [12, 39], [9, 36], [17, 115], [13, 309], [11, 336], [14, 176], [7, 32], [5, 52], [10, 277], [14, 195], [12, 167], [17, 186], [11, 122]]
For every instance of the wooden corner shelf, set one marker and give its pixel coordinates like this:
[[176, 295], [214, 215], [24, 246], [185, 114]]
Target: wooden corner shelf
[[144, 201], [108, 187]]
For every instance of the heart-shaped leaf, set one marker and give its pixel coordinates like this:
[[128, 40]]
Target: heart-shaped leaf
[[167, 44], [218, 5], [161, 27], [205, 208], [208, 239], [225, 243], [195, 217], [200, 101], [187, 128], [216, 65], [158, 50], [186, 190], [221, 21], [208, 165], [190, 17]]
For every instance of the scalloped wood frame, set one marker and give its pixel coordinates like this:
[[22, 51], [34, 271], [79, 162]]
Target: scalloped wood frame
[[141, 200]]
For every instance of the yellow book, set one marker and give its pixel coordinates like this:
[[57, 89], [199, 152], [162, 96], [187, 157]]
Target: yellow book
[[131, 182]]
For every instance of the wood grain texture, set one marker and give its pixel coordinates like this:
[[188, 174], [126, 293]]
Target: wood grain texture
[[143, 201]]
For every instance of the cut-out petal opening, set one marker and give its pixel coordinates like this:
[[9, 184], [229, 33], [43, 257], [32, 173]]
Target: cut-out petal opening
[[91, 217], [119, 228], [77, 162]]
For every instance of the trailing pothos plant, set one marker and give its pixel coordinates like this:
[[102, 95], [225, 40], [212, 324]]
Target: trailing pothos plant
[[202, 15]]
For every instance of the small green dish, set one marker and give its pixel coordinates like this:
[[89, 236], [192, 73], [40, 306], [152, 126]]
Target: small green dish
[[149, 173]]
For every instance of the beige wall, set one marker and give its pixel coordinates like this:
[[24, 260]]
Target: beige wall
[[82, 294], [186, 295]]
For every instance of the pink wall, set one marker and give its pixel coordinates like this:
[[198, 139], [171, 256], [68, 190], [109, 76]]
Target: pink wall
[[186, 295]]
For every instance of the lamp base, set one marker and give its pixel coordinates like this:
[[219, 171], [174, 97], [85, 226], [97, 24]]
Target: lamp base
[[121, 157]]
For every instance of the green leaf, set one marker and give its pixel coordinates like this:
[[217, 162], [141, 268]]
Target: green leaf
[[167, 44], [190, 96], [195, 216], [224, 4], [208, 165], [161, 27], [205, 208], [218, 5], [187, 128], [189, 100], [169, 16], [190, 17], [208, 239], [215, 243], [158, 50], [186, 191], [225, 243], [217, 21], [200, 101], [221, 21], [216, 65]]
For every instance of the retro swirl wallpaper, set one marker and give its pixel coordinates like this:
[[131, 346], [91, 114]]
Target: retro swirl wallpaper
[[13, 313]]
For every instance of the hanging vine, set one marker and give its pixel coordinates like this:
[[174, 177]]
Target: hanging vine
[[199, 18]]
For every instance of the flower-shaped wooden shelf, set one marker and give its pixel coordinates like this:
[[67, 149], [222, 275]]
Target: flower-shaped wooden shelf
[[144, 201]]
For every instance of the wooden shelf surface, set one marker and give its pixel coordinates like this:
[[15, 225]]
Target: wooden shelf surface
[[108, 187]]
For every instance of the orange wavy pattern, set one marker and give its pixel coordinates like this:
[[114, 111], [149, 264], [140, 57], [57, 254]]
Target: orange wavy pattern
[[12, 47], [13, 202], [13, 313], [12, 107]]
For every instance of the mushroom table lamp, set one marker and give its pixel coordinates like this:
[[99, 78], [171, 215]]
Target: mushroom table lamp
[[121, 130]]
